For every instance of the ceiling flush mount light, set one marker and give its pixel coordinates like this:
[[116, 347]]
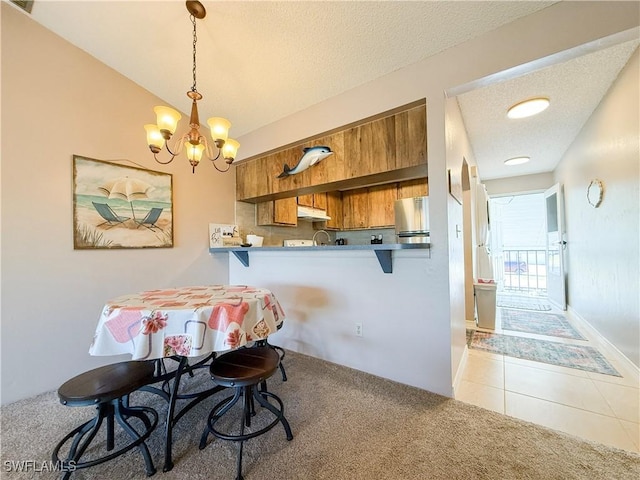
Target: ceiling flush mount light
[[528, 108], [195, 144], [517, 161]]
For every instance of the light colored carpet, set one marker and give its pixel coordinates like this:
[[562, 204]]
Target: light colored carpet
[[347, 425]]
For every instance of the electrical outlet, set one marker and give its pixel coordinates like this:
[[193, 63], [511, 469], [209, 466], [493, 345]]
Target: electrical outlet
[[358, 329]]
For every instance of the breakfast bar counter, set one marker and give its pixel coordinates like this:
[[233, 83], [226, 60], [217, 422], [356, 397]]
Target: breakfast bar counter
[[383, 251]]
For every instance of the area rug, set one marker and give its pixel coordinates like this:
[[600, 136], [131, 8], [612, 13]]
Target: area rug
[[523, 303], [554, 353], [551, 324]]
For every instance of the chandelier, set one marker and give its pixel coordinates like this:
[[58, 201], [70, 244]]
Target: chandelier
[[195, 144]]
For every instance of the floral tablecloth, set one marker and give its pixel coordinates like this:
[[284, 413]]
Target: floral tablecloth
[[186, 321]]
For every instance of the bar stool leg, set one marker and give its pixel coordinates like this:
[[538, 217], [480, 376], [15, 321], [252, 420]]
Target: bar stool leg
[[216, 413], [110, 431], [262, 400], [77, 448], [245, 419], [144, 450]]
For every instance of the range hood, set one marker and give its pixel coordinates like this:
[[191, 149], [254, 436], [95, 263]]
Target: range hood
[[312, 214]]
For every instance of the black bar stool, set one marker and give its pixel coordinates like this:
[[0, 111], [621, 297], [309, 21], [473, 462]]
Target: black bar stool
[[281, 353], [108, 388], [244, 370]]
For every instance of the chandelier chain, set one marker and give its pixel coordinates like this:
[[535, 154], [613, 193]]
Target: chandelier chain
[[195, 40]]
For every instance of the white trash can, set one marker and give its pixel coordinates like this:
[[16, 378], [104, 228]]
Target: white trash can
[[485, 294]]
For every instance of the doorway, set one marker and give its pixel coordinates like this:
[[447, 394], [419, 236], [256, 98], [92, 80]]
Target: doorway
[[518, 244]]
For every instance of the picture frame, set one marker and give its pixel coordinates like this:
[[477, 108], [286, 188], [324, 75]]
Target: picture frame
[[223, 235], [455, 185], [117, 206]]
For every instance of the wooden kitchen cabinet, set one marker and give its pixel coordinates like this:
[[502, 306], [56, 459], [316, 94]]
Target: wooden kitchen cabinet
[[314, 200], [355, 209], [413, 188], [389, 147], [305, 200], [335, 211], [370, 207], [282, 212], [411, 135], [381, 199], [370, 148]]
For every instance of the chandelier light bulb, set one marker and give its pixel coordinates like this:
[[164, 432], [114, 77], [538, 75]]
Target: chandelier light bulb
[[155, 140], [167, 119], [219, 129], [194, 152], [230, 149]]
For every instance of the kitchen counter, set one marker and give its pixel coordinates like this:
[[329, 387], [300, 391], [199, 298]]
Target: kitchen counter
[[383, 251]]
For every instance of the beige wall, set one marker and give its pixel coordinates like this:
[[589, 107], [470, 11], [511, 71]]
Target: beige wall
[[52, 295], [58, 101], [603, 243]]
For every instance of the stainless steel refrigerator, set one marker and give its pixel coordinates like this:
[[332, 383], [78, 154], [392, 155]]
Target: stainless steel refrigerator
[[412, 220]]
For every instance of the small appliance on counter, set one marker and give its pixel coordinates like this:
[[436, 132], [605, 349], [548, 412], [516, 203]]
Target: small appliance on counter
[[297, 243], [255, 240], [412, 220], [376, 239]]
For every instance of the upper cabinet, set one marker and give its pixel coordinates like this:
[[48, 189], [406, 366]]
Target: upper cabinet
[[381, 200], [277, 212], [335, 211], [411, 135], [413, 188], [313, 200], [370, 148], [355, 209], [390, 147]]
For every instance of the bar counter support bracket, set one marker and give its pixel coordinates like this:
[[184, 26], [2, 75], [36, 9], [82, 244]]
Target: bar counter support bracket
[[243, 256], [384, 257]]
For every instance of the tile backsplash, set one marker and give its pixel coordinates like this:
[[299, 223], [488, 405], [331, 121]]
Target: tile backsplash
[[274, 236]]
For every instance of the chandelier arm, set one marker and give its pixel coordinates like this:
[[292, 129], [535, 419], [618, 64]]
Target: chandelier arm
[[155, 156], [207, 149], [177, 147], [209, 155], [218, 168]]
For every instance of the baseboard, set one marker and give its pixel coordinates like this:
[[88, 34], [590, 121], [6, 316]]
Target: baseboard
[[595, 333], [461, 366]]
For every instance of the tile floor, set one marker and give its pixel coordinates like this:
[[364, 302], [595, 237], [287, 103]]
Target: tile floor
[[596, 407]]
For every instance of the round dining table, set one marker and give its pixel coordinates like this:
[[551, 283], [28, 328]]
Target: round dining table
[[186, 323]]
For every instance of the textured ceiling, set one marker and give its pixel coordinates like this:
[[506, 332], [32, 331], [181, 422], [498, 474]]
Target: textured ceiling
[[261, 61], [574, 87]]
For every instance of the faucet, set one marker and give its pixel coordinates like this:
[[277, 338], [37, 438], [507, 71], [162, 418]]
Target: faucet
[[315, 243]]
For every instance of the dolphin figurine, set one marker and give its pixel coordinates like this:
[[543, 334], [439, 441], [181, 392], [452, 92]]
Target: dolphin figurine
[[310, 157]]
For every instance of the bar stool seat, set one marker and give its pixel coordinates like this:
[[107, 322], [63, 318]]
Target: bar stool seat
[[246, 371], [107, 388]]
